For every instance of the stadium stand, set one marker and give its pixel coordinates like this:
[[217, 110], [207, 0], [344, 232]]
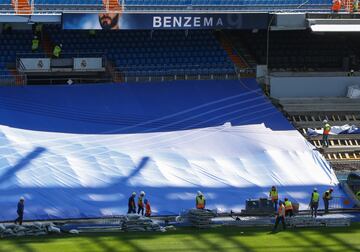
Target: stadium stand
[[141, 52], [300, 50]]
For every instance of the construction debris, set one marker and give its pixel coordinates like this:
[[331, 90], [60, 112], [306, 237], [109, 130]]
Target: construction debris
[[34, 229]]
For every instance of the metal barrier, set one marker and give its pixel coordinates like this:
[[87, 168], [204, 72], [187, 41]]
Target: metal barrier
[[148, 74], [13, 80]]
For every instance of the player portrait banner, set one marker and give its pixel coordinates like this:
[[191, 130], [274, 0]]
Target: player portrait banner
[[130, 21]]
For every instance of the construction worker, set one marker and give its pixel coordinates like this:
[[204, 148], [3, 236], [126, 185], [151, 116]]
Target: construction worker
[[38, 29], [141, 203], [327, 197], [314, 202], [200, 200], [274, 197], [288, 208], [35, 44], [280, 216], [20, 211], [326, 132], [131, 203], [355, 6], [358, 195], [92, 33], [147, 208], [57, 51], [336, 6]]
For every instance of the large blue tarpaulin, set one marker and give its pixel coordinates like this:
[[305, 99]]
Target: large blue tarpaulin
[[80, 151]]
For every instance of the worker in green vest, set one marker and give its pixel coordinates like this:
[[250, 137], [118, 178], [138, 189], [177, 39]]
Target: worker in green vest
[[355, 6], [35, 44], [288, 208], [274, 197], [314, 202], [326, 132], [327, 196], [358, 195], [57, 51], [38, 29]]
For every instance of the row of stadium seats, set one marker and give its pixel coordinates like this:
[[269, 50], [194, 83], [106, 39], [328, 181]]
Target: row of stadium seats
[[181, 2], [328, 51], [141, 50]]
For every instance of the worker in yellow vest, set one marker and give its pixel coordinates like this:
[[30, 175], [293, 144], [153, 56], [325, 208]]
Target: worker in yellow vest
[[57, 51], [141, 203], [35, 44], [327, 197], [280, 216], [200, 200], [358, 195], [288, 208], [273, 194], [314, 202], [326, 132]]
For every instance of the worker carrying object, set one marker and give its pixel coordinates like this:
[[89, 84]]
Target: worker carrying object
[[273, 194], [141, 203], [280, 217], [131, 203], [200, 200], [314, 202], [327, 196], [336, 6], [326, 132], [57, 51], [288, 208], [35, 44], [147, 208]]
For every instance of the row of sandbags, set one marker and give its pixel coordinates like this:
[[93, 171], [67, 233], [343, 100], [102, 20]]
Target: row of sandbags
[[200, 218], [34, 229], [134, 222]]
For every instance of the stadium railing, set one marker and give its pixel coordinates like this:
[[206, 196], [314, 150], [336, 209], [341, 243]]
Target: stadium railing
[[167, 73], [13, 80]]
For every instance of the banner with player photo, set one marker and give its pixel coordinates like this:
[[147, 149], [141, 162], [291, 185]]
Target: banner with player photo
[[129, 21]]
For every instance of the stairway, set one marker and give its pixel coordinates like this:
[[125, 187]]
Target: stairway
[[233, 55], [112, 5], [22, 6]]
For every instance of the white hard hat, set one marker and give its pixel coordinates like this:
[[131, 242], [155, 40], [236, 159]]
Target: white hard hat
[[60, 45], [199, 193], [315, 189], [134, 193], [325, 121], [142, 193], [22, 198]]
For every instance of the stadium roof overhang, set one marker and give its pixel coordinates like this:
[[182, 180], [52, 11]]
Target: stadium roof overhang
[[334, 25]]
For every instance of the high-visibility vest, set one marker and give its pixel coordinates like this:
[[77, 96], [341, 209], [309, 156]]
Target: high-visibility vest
[[274, 195], [38, 28], [336, 5], [315, 197], [140, 202], [327, 129], [328, 196], [35, 44], [57, 50], [288, 205], [358, 195], [200, 202]]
